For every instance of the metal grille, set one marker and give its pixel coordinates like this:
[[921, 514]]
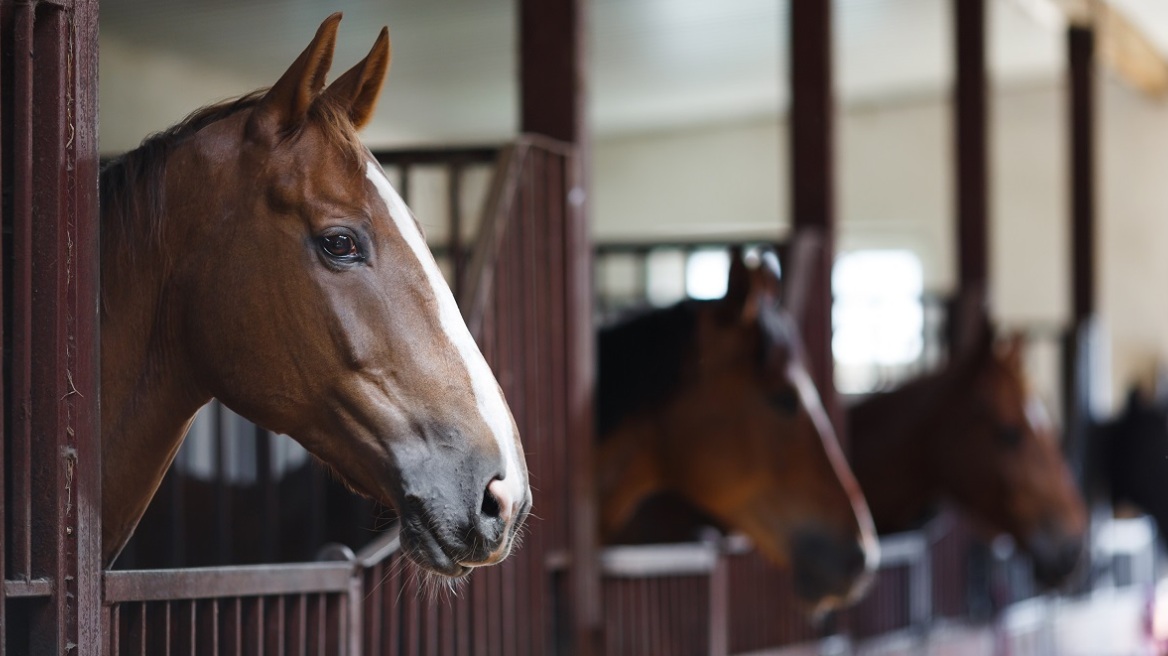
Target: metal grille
[[302, 609], [764, 611]]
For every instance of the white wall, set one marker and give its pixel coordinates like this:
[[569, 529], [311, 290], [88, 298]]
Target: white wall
[[895, 189], [894, 186]]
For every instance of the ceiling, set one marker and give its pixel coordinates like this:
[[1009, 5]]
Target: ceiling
[[655, 64]]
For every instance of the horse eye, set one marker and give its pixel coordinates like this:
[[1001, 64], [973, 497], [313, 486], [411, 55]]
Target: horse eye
[[1010, 435], [340, 246], [786, 402]]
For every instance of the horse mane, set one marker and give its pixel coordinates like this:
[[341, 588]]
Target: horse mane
[[132, 185], [641, 361]]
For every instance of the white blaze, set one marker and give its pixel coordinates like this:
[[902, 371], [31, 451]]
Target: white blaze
[[489, 398]]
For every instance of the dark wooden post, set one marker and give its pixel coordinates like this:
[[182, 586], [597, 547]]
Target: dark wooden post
[[48, 169], [1077, 341], [812, 145], [553, 103], [970, 146], [1081, 53]]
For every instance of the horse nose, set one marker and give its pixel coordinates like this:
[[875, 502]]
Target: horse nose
[[830, 569], [497, 502], [1056, 554]]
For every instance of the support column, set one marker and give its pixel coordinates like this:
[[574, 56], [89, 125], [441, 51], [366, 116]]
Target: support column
[[553, 103], [812, 143], [1081, 110], [970, 146], [1077, 346]]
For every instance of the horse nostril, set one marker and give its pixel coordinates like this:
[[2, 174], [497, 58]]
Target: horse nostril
[[497, 501]]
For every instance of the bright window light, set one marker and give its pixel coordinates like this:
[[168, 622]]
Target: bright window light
[[877, 314], [665, 271], [705, 274]]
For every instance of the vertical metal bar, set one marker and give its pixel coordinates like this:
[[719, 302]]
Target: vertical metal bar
[[270, 498], [143, 628], [301, 625], [971, 145], [277, 627], [192, 621], [454, 199], [114, 642], [168, 628], [430, 629], [353, 608], [405, 181], [222, 486], [5, 386], [21, 436], [214, 632]]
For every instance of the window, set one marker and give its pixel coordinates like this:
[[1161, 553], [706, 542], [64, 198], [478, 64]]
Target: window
[[878, 318]]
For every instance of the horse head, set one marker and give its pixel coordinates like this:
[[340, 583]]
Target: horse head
[[742, 435], [298, 289], [1002, 460]]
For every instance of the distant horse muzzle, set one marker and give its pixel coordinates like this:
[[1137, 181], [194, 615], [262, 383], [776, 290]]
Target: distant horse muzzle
[[1056, 554], [829, 569]]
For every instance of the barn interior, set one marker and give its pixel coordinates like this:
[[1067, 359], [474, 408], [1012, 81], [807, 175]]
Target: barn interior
[[915, 157]]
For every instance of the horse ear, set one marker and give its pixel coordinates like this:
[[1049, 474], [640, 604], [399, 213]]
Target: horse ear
[[738, 281], [285, 105], [970, 332], [360, 86]]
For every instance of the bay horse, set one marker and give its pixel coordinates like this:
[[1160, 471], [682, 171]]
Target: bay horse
[[256, 253], [711, 401], [975, 434]]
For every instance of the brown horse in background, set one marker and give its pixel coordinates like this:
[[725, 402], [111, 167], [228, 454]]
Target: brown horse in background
[[257, 253], [710, 400], [974, 434]]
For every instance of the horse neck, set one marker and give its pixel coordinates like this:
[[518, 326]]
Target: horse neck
[[148, 397], [892, 445], [640, 364]]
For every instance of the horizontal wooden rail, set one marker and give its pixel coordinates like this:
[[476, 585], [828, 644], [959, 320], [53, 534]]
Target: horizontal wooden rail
[[659, 560], [210, 582]]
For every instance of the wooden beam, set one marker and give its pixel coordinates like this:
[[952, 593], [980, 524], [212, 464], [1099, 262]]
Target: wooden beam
[[971, 146], [1081, 112], [553, 103], [1127, 51], [811, 125], [551, 69], [1122, 46]]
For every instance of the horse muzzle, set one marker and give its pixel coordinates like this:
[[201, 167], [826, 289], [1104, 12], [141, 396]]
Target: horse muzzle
[[448, 530], [830, 571], [1056, 554]]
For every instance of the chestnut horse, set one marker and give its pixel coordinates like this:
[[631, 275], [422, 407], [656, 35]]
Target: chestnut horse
[[974, 434], [257, 253], [710, 400]]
